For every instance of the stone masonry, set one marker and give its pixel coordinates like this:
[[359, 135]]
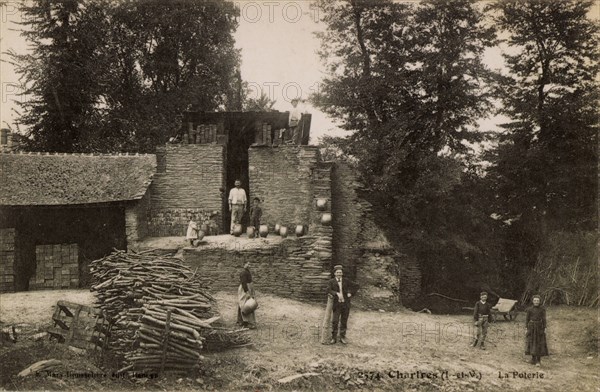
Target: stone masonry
[[8, 256], [187, 182], [289, 180]]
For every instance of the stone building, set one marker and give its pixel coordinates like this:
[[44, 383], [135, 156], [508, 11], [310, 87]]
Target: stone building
[[60, 211]]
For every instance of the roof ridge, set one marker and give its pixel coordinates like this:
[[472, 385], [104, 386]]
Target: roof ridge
[[78, 154]]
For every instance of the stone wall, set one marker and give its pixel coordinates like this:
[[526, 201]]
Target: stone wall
[[8, 258], [136, 219], [282, 178], [289, 267], [382, 269], [187, 182], [289, 180], [347, 218]]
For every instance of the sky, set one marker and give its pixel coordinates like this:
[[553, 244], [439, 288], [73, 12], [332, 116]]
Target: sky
[[279, 57]]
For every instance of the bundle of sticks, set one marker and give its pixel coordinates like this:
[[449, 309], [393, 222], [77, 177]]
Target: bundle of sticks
[[161, 315]]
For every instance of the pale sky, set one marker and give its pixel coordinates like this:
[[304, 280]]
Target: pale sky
[[278, 57]]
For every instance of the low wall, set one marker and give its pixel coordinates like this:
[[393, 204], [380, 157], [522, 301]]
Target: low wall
[[290, 267]]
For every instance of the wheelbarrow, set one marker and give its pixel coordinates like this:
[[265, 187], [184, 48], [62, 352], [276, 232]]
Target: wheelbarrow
[[506, 308]]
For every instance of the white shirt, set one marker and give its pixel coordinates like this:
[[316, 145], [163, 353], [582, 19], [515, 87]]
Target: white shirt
[[341, 291], [237, 196], [295, 115], [192, 231]]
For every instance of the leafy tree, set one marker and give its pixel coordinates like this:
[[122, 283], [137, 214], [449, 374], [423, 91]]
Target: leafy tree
[[62, 73], [409, 80], [260, 104], [116, 76], [546, 163]]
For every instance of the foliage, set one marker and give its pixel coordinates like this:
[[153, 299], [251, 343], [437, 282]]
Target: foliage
[[545, 166], [115, 76], [259, 104], [566, 270], [410, 81]]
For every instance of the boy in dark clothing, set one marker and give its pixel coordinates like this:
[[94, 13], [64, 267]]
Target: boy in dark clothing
[[255, 215], [481, 315], [342, 290]]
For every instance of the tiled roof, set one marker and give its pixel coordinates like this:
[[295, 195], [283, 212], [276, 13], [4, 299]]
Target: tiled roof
[[59, 179]]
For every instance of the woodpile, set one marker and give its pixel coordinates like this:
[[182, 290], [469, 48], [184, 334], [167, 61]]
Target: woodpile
[[162, 316]]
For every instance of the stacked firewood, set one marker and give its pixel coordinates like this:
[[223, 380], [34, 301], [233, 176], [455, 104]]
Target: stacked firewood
[[162, 317]]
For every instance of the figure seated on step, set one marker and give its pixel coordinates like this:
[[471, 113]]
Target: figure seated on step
[[192, 231]]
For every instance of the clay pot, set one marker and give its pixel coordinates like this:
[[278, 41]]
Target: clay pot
[[201, 235], [299, 231], [263, 230], [204, 227], [277, 227], [249, 306], [237, 230], [326, 219], [250, 231], [283, 232], [321, 204]]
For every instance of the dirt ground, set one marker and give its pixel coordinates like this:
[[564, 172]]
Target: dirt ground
[[387, 350]]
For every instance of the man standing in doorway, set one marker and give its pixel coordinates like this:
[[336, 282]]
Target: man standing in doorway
[[237, 204], [342, 290]]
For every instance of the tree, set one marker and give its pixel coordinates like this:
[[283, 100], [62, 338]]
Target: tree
[[546, 164], [410, 82], [259, 104], [116, 76], [62, 73]]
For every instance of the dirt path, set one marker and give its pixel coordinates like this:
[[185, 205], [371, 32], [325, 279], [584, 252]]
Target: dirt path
[[386, 351], [386, 346]]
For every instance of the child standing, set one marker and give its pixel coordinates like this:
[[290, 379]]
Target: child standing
[[192, 231], [482, 315], [255, 215]]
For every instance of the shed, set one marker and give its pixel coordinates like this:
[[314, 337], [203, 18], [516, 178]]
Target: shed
[[59, 211]]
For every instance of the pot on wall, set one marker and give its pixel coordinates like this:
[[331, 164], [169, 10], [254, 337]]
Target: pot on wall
[[250, 231], [277, 228], [204, 227], [201, 235], [237, 230], [326, 218], [299, 230], [283, 232], [263, 230], [321, 204]]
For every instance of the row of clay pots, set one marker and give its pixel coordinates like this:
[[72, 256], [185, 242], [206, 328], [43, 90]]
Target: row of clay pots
[[263, 230]]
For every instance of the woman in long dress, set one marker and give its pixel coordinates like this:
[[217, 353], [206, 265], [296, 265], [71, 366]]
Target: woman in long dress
[[535, 323], [245, 292]]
